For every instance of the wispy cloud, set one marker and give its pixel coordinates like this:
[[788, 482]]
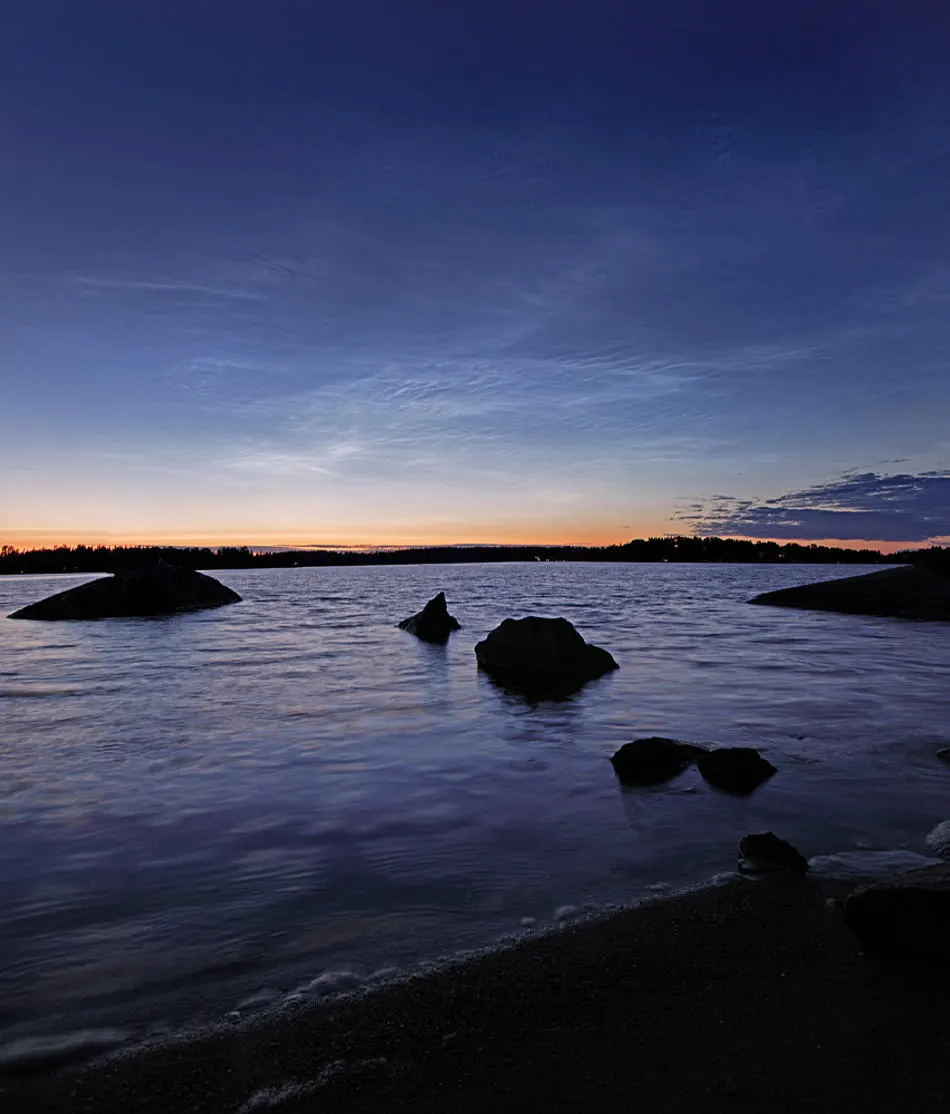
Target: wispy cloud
[[163, 286]]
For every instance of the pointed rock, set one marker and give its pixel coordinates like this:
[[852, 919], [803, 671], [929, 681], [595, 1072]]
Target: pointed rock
[[433, 623]]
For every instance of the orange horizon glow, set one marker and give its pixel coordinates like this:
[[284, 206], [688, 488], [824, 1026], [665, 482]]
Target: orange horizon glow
[[594, 536]]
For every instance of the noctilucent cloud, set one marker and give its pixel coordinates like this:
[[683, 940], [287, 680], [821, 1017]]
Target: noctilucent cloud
[[371, 272]]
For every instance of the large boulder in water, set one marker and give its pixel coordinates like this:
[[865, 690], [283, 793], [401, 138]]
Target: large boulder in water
[[738, 770], [909, 592], [433, 623], [905, 916], [652, 761], [160, 589], [541, 655]]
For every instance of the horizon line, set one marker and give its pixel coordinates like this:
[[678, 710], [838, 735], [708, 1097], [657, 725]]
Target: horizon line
[[871, 545]]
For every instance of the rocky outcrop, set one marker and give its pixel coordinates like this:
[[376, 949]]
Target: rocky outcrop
[[765, 852], [540, 654], [160, 589], [909, 592], [905, 916], [738, 770], [433, 623], [653, 760]]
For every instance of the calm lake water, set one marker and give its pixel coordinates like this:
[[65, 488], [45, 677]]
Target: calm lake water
[[290, 795]]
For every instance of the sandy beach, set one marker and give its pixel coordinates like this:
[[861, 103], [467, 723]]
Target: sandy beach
[[749, 996]]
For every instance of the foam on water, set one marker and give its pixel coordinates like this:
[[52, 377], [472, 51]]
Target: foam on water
[[868, 864], [939, 840]]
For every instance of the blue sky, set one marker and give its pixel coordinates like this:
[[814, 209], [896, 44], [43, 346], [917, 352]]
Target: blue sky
[[355, 272]]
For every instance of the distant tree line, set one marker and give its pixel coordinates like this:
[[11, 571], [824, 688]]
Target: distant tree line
[[108, 559]]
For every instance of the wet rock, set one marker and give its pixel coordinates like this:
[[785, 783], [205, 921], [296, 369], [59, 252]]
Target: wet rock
[[539, 654], [905, 916], [160, 589], [909, 592], [765, 851], [653, 760], [433, 623], [944, 755], [739, 770]]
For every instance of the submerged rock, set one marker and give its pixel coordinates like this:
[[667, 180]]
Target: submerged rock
[[765, 851], [653, 760], [739, 770], [909, 592], [433, 623], [540, 654], [905, 916], [160, 589]]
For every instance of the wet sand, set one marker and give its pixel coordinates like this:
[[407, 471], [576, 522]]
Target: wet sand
[[745, 997]]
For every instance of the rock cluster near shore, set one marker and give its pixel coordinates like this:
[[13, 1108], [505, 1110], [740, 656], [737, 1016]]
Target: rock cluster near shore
[[654, 760]]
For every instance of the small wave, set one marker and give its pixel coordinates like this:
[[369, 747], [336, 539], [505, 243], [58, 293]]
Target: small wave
[[868, 864], [34, 692], [40, 1053], [565, 912], [939, 840]]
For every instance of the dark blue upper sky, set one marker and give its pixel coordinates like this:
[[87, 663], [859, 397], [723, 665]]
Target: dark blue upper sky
[[380, 271]]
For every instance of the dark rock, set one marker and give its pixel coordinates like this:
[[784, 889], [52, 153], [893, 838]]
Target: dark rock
[[538, 654], [944, 754], [652, 761], [764, 851], [905, 916], [909, 592], [160, 589], [737, 770], [433, 623]]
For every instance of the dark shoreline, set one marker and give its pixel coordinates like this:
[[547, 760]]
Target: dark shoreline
[[748, 996], [669, 550]]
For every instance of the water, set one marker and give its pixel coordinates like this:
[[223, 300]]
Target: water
[[291, 794]]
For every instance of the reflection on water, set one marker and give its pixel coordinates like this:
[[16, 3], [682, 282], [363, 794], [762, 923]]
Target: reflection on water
[[199, 809]]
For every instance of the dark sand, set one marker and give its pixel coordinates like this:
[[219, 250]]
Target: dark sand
[[749, 997]]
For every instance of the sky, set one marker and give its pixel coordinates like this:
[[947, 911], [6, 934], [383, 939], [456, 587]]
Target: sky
[[368, 271]]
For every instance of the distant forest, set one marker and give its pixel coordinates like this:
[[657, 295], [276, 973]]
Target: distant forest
[[107, 559]]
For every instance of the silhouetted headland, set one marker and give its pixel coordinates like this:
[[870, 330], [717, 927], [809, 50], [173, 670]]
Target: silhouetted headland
[[914, 592]]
